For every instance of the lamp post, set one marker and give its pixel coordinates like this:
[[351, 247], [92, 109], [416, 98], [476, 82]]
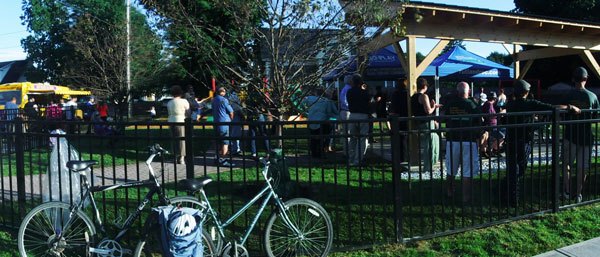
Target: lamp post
[[128, 56]]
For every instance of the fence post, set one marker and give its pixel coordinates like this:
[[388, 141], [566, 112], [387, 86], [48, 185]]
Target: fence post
[[20, 159], [555, 160], [396, 176], [189, 150]]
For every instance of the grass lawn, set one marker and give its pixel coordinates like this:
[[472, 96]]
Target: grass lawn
[[522, 238]]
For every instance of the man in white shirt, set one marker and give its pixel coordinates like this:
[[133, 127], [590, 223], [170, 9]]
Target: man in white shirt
[[70, 107]]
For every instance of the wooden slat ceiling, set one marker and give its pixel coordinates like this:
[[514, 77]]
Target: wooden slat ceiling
[[453, 22]]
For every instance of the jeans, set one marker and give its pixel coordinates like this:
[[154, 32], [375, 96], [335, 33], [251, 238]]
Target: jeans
[[359, 133], [259, 130]]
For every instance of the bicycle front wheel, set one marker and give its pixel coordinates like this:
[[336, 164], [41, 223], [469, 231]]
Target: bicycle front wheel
[[151, 247], [51, 229], [314, 235]]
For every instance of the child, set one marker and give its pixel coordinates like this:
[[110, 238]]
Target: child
[[152, 112]]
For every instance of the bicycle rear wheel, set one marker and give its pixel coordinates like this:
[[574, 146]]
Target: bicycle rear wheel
[[50, 230], [151, 247], [315, 235], [209, 224]]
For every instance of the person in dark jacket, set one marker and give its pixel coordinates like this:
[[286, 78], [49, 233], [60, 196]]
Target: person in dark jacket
[[358, 105], [399, 107], [519, 138]]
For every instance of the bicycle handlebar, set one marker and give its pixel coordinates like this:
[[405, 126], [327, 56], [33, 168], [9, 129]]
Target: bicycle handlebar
[[157, 149]]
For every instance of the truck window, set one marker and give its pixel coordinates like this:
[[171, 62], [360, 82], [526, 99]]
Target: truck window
[[6, 96]]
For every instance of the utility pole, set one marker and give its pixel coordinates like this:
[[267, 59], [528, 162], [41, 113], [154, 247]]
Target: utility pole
[[128, 56]]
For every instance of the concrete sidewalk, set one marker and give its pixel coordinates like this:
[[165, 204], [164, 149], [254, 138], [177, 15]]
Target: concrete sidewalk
[[589, 248]]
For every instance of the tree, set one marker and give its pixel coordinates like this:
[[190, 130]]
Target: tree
[[277, 50], [504, 59], [82, 43], [586, 10], [558, 69], [452, 44]]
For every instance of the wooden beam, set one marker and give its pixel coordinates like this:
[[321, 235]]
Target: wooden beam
[[401, 57], [525, 69], [546, 53], [431, 56], [412, 64], [591, 62], [512, 34], [379, 42]]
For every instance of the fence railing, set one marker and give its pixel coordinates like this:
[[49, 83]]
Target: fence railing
[[381, 183]]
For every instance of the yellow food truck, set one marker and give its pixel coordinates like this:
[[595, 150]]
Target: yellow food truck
[[42, 92]]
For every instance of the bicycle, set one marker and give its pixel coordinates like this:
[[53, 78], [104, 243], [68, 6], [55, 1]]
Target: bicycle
[[61, 229], [297, 227]]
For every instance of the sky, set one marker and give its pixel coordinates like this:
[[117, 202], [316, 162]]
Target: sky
[[479, 48], [12, 31]]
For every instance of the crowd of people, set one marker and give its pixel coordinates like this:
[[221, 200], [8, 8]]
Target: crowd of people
[[63, 109], [473, 132]]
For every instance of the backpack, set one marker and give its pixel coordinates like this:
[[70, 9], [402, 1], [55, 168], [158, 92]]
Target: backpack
[[180, 231]]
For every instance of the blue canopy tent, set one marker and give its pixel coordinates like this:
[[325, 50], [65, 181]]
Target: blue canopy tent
[[459, 63], [382, 64]]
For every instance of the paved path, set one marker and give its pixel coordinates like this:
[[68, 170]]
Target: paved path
[[589, 248], [122, 173]]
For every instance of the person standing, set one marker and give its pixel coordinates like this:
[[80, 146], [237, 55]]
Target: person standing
[[578, 138], [320, 109], [102, 110], [11, 110], [88, 113], [381, 100], [152, 112], [399, 107], [358, 105], [461, 145], [222, 113], [501, 102], [422, 106], [70, 107], [344, 112], [178, 109], [32, 109], [482, 96], [236, 129], [491, 131], [519, 138]]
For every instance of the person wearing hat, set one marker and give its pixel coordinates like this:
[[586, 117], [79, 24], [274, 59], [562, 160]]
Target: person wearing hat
[[222, 112], [578, 138], [519, 138]]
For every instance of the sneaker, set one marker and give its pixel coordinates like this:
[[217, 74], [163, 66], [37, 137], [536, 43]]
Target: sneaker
[[579, 198], [225, 163], [566, 196], [238, 153]]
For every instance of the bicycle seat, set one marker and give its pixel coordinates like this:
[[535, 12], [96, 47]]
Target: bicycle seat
[[77, 166], [193, 185]]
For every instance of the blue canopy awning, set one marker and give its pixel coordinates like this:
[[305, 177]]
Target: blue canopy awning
[[457, 63], [461, 64], [383, 64]]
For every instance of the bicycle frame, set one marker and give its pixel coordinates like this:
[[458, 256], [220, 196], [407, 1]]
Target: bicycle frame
[[268, 192], [151, 183]]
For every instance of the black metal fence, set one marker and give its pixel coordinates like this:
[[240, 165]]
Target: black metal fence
[[379, 179]]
